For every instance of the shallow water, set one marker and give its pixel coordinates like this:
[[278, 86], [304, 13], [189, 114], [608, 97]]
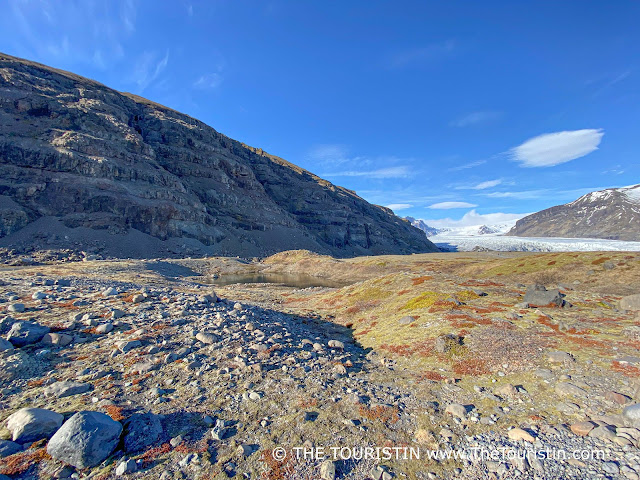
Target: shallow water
[[286, 279]]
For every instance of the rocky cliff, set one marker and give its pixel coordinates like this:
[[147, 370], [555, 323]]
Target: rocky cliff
[[82, 163], [613, 213]]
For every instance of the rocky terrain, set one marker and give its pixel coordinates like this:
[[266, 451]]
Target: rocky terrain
[[144, 369], [82, 165], [612, 214]]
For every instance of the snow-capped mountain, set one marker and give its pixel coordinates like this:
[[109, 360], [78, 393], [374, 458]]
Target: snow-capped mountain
[[466, 231], [613, 213], [430, 231]]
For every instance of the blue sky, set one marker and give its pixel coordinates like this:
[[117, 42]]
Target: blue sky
[[455, 112]]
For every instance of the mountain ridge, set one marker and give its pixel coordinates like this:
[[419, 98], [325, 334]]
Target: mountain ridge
[[80, 153], [612, 213]]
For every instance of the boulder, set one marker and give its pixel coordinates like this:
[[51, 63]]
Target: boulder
[[57, 339], [448, 342], [85, 440], [31, 424], [5, 345], [630, 302], [539, 296], [7, 448], [66, 389], [24, 333], [406, 320], [141, 431]]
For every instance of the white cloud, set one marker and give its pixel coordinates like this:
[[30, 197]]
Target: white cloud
[[399, 206], [475, 118], [473, 218], [487, 184], [450, 205], [390, 172], [555, 148], [421, 55], [208, 81]]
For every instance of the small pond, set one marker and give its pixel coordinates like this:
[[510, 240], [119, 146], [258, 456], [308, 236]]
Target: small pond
[[286, 279]]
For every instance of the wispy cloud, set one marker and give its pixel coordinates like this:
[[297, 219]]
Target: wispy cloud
[[64, 33], [399, 206], [208, 81], [615, 170], [473, 218], [467, 165], [520, 195], [475, 118], [480, 186], [128, 15], [329, 154], [148, 68], [555, 148], [389, 172], [607, 81], [421, 55], [451, 205], [487, 184]]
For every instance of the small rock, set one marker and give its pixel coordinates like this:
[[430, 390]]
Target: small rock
[[16, 308], [560, 357], [520, 434], [406, 320], [207, 338], [137, 298], [582, 429], [66, 389], [603, 432], [124, 467], [456, 410], [126, 345], [59, 339], [616, 397], [611, 467], [632, 413], [109, 292], [566, 388], [328, 470], [336, 344], [104, 328]]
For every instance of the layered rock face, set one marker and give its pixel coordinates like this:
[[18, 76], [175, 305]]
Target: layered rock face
[[99, 161], [613, 213]]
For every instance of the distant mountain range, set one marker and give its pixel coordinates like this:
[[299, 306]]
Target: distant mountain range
[[471, 231], [613, 214]]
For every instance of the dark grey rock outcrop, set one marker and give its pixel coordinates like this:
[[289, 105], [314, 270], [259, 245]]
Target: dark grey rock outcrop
[[80, 163]]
